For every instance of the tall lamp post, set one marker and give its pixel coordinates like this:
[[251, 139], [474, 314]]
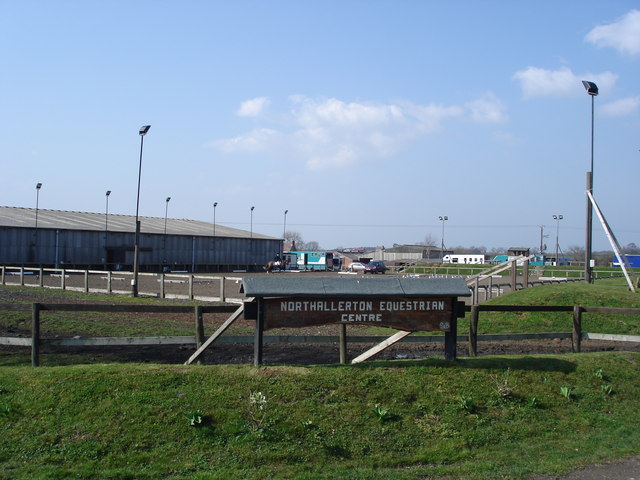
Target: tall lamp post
[[106, 227], [442, 219], [557, 218], [136, 247], [164, 238], [215, 204], [251, 236], [592, 91], [166, 210], [284, 231], [35, 240]]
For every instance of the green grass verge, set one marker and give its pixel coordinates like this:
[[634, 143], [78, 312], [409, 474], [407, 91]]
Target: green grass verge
[[491, 417], [603, 293]]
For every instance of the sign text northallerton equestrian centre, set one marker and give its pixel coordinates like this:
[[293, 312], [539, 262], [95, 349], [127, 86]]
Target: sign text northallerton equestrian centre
[[362, 310]]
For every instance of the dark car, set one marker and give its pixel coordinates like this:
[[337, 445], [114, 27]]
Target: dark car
[[375, 266]]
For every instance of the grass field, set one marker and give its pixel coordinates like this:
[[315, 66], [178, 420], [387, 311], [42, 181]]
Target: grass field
[[490, 417]]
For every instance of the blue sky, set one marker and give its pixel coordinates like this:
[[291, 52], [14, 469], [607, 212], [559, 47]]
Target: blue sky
[[366, 120]]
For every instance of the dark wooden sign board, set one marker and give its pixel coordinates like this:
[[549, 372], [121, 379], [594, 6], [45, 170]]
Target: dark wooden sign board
[[408, 304]]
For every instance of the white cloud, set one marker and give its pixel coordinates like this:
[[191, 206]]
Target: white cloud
[[621, 108], [253, 107], [539, 82], [257, 140], [487, 109], [623, 35], [331, 133]]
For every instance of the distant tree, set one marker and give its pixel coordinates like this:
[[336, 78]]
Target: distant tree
[[631, 249], [429, 240], [576, 252], [470, 250], [291, 236], [312, 245]]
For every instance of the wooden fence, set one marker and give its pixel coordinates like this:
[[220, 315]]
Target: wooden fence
[[206, 288], [198, 339]]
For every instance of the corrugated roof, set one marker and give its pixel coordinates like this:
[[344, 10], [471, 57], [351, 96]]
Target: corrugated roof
[[296, 286], [65, 220]]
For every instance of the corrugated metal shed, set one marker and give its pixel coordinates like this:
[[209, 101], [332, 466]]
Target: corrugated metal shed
[[65, 220], [278, 286]]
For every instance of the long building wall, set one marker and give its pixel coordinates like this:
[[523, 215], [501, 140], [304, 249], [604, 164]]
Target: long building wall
[[76, 248]]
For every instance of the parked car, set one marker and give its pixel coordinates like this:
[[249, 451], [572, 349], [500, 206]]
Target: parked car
[[356, 267], [375, 266]]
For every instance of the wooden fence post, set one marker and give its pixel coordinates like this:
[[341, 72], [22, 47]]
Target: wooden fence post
[[199, 327], [3, 270], [162, 293], [41, 280], [343, 343], [576, 334], [473, 331], [86, 281], [514, 275], [109, 287], [257, 341], [35, 334], [222, 289], [476, 291], [450, 341], [190, 287], [63, 280], [22, 276], [525, 274]]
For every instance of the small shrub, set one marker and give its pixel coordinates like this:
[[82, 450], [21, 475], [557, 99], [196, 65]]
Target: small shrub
[[567, 392], [257, 411], [504, 386], [195, 418], [606, 389], [466, 404], [383, 414], [5, 410]]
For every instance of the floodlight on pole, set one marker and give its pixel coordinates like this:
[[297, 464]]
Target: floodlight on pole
[[35, 241], [251, 232], [284, 231], [215, 204], [136, 248], [106, 226], [166, 210], [442, 218], [557, 218], [592, 91]]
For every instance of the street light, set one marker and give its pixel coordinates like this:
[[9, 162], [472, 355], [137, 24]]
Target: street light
[[557, 218], [592, 91], [35, 241], [38, 187], [136, 248], [106, 227], [166, 210], [215, 204], [442, 219], [251, 233], [284, 231]]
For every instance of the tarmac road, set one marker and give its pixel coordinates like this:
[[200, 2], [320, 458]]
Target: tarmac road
[[626, 470]]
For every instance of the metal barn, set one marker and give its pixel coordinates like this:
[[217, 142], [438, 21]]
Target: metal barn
[[54, 238]]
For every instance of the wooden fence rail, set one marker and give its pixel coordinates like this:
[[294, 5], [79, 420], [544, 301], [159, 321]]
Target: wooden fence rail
[[199, 311], [209, 288]]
